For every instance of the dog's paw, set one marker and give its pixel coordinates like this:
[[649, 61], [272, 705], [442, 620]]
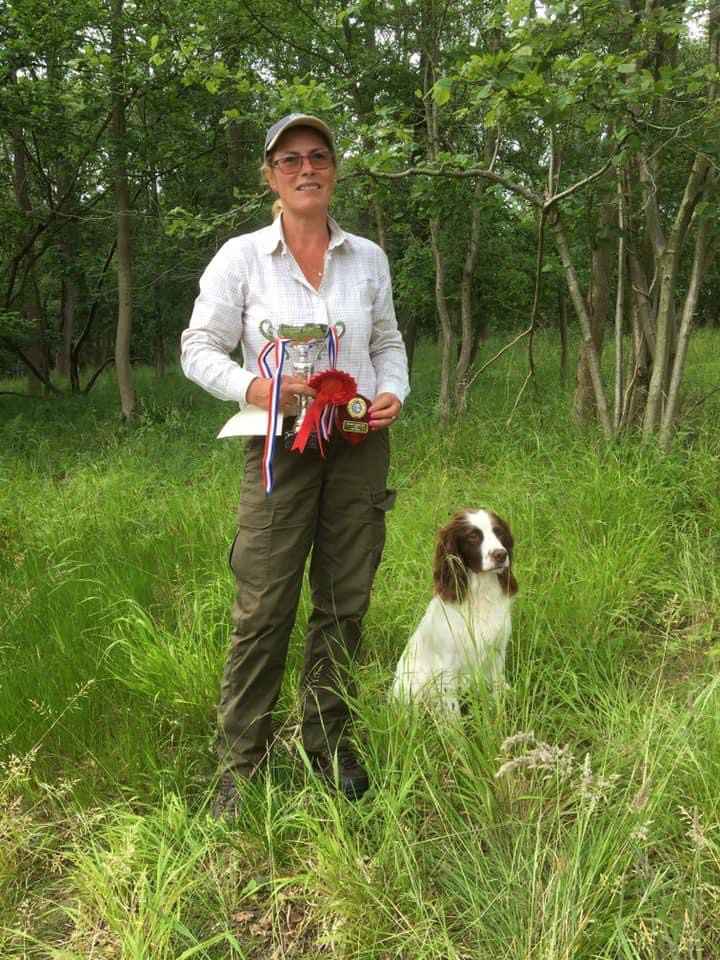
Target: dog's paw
[[451, 706]]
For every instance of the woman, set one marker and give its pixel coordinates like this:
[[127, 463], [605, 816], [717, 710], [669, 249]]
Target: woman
[[302, 269]]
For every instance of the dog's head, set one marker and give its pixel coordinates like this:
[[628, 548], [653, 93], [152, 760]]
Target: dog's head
[[473, 540]]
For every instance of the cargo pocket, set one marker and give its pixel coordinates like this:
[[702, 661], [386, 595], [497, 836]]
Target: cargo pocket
[[251, 548], [384, 500]]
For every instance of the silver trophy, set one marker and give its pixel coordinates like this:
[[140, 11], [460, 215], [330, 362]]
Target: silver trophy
[[305, 345]]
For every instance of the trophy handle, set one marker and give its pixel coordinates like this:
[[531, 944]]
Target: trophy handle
[[266, 329]]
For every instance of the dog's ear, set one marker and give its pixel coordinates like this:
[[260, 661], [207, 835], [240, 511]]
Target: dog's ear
[[508, 582], [449, 573]]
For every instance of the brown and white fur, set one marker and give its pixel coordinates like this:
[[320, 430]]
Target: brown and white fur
[[466, 627]]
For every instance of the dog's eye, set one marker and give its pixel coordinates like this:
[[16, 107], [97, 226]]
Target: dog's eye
[[474, 536]]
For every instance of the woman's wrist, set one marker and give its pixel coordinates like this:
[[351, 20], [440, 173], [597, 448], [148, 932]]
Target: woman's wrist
[[256, 393]]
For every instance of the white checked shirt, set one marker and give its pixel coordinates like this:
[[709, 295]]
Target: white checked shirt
[[255, 277]]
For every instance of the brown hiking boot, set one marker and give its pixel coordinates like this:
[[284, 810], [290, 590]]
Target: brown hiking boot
[[341, 771], [228, 799]]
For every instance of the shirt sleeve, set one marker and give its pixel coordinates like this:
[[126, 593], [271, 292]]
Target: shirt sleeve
[[387, 349], [216, 327]]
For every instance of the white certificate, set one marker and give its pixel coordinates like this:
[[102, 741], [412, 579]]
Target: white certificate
[[251, 421]]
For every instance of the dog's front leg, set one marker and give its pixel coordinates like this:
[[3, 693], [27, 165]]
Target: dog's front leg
[[496, 667], [449, 697]]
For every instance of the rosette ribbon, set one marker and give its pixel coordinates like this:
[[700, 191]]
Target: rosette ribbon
[[334, 388]]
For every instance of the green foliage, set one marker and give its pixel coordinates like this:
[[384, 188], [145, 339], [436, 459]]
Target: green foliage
[[301, 96], [14, 328]]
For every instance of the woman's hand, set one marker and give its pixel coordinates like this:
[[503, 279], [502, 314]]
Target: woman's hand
[[258, 393], [384, 409]]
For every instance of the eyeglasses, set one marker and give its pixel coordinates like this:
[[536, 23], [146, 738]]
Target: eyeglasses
[[292, 162]]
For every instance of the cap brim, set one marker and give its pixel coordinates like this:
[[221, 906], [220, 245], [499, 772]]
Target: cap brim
[[299, 120]]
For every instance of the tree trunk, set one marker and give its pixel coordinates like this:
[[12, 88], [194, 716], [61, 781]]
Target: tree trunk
[[584, 320], [36, 352], [668, 262], [446, 337], [563, 323], [379, 220], [619, 312], [159, 351], [598, 303], [68, 301], [71, 283], [408, 329], [156, 230], [704, 252], [466, 309], [122, 203]]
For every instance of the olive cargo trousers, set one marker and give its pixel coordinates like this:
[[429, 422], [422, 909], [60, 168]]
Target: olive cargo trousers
[[334, 507]]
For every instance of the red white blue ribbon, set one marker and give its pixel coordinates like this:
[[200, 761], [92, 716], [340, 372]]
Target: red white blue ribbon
[[327, 418], [278, 347], [333, 345]]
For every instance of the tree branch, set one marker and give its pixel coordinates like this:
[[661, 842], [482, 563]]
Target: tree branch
[[544, 203], [469, 174], [91, 382], [497, 356], [575, 187], [21, 355], [263, 23]]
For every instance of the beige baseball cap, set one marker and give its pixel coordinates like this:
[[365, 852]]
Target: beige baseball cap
[[296, 120]]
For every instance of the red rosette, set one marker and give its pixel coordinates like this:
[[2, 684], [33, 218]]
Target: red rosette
[[334, 388]]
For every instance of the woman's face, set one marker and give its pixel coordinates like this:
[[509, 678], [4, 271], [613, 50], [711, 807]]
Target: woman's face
[[308, 191]]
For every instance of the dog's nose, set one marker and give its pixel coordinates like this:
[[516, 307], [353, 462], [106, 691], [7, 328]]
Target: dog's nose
[[499, 555]]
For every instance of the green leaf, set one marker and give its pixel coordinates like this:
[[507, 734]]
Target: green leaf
[[594, 122], [441, 91], [518, 9]]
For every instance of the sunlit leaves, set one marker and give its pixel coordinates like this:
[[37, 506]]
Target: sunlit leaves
[[589, 65], [442, 91], [308, 95]]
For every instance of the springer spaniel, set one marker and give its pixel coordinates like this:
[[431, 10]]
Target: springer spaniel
[[466, 626]]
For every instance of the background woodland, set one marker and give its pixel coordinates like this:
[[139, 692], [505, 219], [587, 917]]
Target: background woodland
[[526, 167]]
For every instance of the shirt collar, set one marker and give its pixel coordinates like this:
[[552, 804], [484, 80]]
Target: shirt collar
[[274, 238]]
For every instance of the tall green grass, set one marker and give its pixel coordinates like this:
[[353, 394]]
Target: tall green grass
[[577, 818]]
